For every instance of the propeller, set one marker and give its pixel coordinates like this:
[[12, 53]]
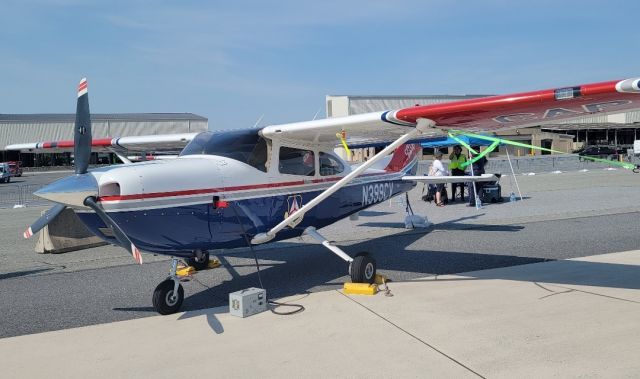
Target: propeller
[[81, 150], [40, 223], [80, 189], [117, 232], [82, 131]]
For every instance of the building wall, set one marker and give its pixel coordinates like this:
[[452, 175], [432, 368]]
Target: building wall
[[23, 131], [56, 127]]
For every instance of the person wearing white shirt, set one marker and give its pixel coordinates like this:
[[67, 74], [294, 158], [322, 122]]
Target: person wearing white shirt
[[437, 169]]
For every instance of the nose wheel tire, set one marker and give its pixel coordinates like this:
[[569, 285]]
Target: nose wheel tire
[[199, 263], [363, 269], [165, 301]]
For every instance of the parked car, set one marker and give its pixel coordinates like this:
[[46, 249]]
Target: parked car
[[15, 167], [605, 152], [5, 174]]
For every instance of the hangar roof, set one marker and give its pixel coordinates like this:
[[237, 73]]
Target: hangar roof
[[70, 117]]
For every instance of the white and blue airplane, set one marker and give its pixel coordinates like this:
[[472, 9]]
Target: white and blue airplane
[[228, 189]]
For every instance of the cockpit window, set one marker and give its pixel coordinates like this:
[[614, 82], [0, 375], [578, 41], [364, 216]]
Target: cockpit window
[[246, 146], [330, 165], [297, 161]]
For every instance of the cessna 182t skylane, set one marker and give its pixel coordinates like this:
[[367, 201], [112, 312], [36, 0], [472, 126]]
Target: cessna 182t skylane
[[228, 189]]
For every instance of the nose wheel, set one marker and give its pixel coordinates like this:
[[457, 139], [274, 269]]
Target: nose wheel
[[168, 295], [166, 298]]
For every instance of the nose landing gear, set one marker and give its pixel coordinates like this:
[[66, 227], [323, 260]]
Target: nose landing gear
[[168, 295]]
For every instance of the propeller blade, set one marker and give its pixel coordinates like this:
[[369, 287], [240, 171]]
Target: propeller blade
[[82, 132], [44, 220], [117, 232]]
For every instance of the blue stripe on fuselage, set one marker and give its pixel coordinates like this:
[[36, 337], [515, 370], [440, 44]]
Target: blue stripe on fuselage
[[180, 230]]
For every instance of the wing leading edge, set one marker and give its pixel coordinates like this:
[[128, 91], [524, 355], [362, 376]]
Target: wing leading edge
[[491, 114], [160, 142]]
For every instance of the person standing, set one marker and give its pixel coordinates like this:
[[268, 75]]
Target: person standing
[[477, 170], [456, 160], [438, 169]]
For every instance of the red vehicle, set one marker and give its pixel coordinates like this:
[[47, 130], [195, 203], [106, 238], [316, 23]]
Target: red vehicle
[[15, 168]]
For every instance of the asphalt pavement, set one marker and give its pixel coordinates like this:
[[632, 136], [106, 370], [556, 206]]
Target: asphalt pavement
[[562, 216]]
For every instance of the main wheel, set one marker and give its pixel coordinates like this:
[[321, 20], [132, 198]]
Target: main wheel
[[199, 263], [164, 300], [363, 268]]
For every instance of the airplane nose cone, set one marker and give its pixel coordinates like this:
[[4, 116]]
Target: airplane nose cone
[[71, 190]]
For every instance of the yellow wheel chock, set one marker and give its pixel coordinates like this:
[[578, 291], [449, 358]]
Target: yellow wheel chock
[[365, 288], [187, 271]]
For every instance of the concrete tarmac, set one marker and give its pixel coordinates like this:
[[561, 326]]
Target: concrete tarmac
[[571, 318]]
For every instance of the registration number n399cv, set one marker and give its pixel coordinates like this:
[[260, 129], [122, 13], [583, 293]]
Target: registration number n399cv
[[376, 192]]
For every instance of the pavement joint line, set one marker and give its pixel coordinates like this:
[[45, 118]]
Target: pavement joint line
[[597, 294], [556, 293], [543, 287], [413, 336]]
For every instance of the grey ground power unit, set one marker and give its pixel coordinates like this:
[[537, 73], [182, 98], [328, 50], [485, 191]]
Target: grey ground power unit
[[248, 302]]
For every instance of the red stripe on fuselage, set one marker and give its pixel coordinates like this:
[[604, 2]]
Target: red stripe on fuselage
[[154, 195]]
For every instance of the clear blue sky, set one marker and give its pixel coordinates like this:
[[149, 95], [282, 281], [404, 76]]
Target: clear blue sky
[[234, 61]]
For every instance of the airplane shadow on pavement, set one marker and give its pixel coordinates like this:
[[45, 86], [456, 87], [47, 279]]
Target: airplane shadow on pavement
[[289, 269]]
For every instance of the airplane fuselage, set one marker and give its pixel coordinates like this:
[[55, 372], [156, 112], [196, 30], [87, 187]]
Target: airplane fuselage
[[209, 202]]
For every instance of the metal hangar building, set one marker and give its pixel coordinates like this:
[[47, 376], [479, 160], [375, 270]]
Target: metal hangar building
[[22, 128]]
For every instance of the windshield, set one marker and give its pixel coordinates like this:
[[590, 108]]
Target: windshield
[[246, 146]]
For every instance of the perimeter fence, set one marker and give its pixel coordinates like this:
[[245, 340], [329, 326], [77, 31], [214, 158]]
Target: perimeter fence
[[20, 195]]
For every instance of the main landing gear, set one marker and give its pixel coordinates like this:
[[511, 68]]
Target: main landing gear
[[362, 268], [169, 295], [200, 261]]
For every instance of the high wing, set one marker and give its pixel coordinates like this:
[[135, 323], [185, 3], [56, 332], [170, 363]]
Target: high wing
[[484, 114], [160, 142]]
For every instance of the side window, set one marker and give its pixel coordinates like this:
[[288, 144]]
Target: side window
[[258, 156], [297, 161], [330, 165]]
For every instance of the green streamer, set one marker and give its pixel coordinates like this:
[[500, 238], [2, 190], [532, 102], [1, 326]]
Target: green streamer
[[482, 154], [628, 166], [463, 143], [496, 141]]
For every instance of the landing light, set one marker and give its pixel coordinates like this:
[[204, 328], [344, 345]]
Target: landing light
[[567, 93]]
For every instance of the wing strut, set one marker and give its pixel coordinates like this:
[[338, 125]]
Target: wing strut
[[422, 126], [121, 156]]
